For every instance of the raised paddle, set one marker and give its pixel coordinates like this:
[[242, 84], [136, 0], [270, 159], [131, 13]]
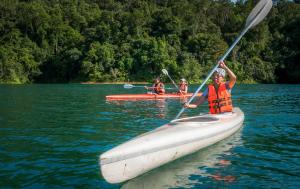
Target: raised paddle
[[258, 13], [167, 74]]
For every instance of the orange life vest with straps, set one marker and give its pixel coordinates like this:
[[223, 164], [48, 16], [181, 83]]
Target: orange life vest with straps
[[219, 101], [159, 88]]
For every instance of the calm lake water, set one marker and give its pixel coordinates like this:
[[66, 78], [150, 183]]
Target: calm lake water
[[52, 135]]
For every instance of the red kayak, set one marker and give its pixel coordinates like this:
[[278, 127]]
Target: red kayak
[[148, 96]]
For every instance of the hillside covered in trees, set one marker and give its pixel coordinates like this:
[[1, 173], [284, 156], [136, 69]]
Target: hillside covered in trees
[[119, 40]]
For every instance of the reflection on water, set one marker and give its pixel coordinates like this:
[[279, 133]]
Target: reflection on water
[[182, 172], [159, 106]]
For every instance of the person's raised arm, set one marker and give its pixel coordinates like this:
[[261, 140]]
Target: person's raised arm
[[232, 76]]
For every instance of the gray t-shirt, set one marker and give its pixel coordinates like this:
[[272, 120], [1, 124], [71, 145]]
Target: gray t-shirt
[[205, 93]]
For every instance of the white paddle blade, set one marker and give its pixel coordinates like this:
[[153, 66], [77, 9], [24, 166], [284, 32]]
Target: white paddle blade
[[165, 71], [258, 13], [128, 86]]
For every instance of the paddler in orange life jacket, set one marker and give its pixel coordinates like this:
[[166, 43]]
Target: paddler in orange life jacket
[[158, 87], [183, 86], [218, 94]]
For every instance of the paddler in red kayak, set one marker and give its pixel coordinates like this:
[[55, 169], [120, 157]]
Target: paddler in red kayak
[[218, 94], [183, 87], [158, 87]]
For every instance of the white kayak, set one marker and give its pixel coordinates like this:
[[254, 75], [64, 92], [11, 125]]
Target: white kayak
[[167, 143], [200, 164]]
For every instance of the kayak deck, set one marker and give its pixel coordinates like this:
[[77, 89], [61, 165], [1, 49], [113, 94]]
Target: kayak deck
[[148, 96]]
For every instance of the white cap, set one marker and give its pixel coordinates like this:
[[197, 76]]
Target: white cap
[[220, 71], [182, 79]]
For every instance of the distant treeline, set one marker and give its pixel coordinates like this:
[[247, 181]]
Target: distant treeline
[[121, 40]]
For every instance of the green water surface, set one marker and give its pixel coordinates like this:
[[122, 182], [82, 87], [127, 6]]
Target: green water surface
[[51, 136]]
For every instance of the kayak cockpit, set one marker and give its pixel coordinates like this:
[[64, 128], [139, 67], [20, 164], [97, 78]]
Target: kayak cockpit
[[199, 119], [203, 120]]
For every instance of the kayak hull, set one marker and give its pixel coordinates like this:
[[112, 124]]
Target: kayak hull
[[167, 143], [147, 96]]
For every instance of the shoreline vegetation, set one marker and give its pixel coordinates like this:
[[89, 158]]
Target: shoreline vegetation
[[149, 83], [129, 82], [92, 82], [112, 41]]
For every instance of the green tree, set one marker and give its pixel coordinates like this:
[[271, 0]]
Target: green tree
[[207, 48], [150, 57], [17, 63], [99, 62], [189, 68]]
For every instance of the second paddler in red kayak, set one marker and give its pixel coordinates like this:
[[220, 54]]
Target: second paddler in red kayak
[[183, 87]]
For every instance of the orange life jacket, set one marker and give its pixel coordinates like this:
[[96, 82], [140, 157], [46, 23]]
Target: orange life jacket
[[219, 101], [159, 88], [182, 88]]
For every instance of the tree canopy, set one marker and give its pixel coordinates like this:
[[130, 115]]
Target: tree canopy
[[121, 40]]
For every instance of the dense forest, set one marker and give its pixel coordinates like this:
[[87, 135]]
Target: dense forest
[[46, 41]]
